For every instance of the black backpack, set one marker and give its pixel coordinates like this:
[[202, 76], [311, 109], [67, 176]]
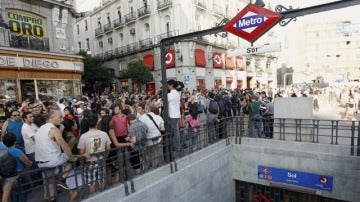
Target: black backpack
[[213, 107]]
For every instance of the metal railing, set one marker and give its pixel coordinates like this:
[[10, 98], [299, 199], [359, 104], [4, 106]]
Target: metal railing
[[122, 165], [118, 23], [144, 11], [163, 4], [166, 35], [107, 28], [130, 17], [99, 31], [146, 43], [133, 47]]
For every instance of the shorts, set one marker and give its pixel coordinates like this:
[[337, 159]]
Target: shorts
[[135, 159], [8, 167], [94, 173], [59, 161]]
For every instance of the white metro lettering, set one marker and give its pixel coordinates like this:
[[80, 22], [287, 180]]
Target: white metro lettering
[[251, 21]]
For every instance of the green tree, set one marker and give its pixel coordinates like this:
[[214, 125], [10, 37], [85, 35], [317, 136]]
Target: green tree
[[96, 76], [138, 72]]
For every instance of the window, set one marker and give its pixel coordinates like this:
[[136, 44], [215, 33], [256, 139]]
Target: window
[[77, 29], [88, 44], [167, 23], [86, 25], [99, 24], [119, 15], [108, 19], [79, 45]]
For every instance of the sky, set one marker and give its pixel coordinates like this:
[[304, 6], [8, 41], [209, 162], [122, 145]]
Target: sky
[[84, 5]]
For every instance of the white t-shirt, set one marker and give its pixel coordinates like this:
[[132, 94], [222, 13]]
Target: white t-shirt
[[27, 132], [46, 149], [94, 141], [174, 104], [153, 131]]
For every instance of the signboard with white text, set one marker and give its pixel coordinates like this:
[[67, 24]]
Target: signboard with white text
[[252, 22]]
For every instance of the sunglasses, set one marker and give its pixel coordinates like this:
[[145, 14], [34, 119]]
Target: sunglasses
[[16, 115]]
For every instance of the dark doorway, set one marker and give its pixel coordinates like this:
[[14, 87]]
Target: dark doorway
[[247, 192]]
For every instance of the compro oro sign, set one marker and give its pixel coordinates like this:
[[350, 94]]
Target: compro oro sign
[[25, 23]]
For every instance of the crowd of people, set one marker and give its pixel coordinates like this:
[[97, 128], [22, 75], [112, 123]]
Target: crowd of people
[[51, 135]]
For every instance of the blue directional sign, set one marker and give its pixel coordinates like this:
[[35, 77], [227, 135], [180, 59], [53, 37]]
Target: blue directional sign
[[186, 79], [315, 181]]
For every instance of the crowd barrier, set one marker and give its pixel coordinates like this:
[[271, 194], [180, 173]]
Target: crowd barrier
[[118, 166]]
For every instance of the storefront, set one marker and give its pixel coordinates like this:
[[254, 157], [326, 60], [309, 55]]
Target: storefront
[[38, 75]]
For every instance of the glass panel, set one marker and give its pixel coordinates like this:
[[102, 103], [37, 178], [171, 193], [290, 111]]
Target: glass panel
[[7, 90], [49, 90]]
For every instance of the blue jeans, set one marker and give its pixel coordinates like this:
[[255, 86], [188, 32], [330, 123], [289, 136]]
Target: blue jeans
[[211, 119], [192, 138], [255, 122], [176, 137], [36, 177]]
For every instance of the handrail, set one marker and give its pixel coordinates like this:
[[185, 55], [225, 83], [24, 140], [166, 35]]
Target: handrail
[[233, 129]]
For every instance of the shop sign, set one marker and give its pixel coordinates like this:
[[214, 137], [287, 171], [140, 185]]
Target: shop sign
[[26, 62], [25, 23], [315, 181], [150, 88]]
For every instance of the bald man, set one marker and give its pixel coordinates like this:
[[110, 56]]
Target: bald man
[[48, 154]]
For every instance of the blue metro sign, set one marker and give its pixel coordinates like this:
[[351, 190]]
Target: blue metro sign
[[315, 181]]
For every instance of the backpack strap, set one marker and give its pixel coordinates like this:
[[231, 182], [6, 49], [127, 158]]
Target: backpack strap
[[151, 118]]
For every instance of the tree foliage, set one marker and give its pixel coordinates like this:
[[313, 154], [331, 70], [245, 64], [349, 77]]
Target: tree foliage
[[94, 71], [138, 72]]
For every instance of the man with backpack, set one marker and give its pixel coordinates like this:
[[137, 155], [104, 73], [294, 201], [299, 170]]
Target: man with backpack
[[212, 116]]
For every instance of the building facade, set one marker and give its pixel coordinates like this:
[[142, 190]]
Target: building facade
[[36, 51], [330, 53], [123, 30]]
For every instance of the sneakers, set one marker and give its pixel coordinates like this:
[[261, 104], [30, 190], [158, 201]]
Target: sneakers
[[62, 184]]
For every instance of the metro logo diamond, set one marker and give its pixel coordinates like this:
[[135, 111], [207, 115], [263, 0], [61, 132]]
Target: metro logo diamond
[[252, 22]]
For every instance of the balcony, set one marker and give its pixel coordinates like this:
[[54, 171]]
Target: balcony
[[146, 43], [120, 51], [109, 55], [107, 28], [118, 23], [130, 17], [201, 4], [144, 12], [26, 42], [163, 4], [166, 35], [218, 12], [99, 32], [131, 48]]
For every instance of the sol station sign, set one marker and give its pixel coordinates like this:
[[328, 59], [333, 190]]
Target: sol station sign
[[252, 22]]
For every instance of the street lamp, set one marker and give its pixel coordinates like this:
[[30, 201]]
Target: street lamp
[[285, 78]]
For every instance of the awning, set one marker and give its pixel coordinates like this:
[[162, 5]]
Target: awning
[[217, 60], [170, 58], [149, 61], [240, 64], [229, 63], [200, 58], [229, 79]]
